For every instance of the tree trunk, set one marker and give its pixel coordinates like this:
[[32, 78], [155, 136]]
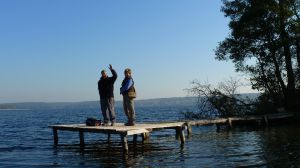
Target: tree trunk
[[298, 52], [287, 52]]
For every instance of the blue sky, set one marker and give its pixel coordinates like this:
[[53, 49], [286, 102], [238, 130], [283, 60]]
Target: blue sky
[[54, 50]]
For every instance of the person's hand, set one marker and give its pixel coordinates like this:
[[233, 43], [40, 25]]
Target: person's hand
[[110, 66]]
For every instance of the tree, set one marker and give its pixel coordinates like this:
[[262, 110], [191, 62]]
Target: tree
[[265, 43], [220, 101]]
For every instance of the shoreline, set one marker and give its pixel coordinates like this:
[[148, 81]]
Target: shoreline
[[14, 109]]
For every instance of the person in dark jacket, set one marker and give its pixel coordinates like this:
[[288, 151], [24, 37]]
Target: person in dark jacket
[[106, 93], [128, 92]]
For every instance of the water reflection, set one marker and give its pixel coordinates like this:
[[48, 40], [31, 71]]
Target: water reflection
[[281, 145], [240, 147], [105, 154]]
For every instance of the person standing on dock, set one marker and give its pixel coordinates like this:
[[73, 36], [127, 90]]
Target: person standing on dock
[[129, 93], [106, 93]]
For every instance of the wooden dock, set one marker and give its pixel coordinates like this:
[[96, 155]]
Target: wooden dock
[[120, 129], [144, 129]]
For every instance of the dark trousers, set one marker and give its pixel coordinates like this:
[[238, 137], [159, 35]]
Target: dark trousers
[[128, 106], [108, 109]]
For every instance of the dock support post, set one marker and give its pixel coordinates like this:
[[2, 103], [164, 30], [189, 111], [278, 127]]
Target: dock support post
[[55, 136], [124, 143], [181, 134], [81, 137], [189, 130], [266, 120], [145, 136], [108, 137], [135, 136], [178, 130], [218, 127], [230, 122]]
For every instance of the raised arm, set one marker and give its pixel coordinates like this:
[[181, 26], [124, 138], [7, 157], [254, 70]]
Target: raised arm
[[114, 73]]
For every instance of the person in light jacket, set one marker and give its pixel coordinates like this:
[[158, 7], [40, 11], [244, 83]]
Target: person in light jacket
[[128, 92]]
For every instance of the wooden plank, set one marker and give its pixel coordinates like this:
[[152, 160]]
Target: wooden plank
[[279, 116], [87, 129], [136, 131], [171, 125], [77, 127], [208, 122]]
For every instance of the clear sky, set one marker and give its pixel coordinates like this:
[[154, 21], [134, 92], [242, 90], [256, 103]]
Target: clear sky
[[54, 50]]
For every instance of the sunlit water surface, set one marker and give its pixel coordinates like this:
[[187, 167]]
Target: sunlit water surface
[[26, 141]]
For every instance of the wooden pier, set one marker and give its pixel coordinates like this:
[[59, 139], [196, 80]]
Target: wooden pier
[[120, 129], [145, 129]]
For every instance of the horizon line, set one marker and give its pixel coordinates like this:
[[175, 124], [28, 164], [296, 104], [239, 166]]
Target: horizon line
[[82, 101]]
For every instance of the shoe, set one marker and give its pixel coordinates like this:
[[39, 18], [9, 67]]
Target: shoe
[[112, 124], [129, 124]]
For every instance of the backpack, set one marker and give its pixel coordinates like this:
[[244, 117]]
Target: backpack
[[92, 122]]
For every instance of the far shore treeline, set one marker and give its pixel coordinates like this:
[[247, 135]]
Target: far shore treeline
[[170, 102]]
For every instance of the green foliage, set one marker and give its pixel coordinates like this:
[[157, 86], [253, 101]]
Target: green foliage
[[265, 43]]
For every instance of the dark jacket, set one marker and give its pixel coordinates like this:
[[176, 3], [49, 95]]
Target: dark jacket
[[106, 85]]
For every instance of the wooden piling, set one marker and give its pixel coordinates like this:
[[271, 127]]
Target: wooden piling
[[266, 120], [124, 143], [135, 137], [181, 134], [230, 123], [178, 130], [145, 136], [218, 127], [108, 137], [81, 137], [189, 130], [55, 136]]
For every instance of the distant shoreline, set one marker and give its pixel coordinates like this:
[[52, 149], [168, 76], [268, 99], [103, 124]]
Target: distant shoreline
[[14, 109]]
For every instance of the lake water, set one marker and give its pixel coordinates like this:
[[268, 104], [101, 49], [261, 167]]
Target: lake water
[[26, 141]]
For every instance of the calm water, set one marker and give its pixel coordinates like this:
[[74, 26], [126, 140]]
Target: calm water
[[26, 141]]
